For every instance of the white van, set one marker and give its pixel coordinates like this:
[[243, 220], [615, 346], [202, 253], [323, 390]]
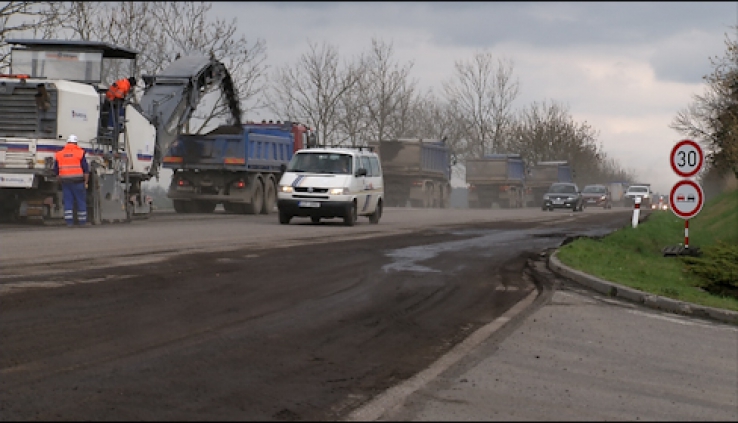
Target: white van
[[330, 182]]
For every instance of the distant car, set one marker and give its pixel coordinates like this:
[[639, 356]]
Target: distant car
[[659, 202], [597, 195], [642, 191], [563, 195]]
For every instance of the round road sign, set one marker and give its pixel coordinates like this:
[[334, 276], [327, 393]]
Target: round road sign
[[686, 198], [687, 158]]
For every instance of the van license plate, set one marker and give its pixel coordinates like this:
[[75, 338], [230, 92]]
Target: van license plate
[[308, 204]]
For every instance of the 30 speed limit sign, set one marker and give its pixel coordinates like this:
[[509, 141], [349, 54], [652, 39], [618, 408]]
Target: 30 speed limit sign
[[687, 158]]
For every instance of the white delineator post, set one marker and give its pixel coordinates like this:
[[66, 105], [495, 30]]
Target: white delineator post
[[686, 234], [636, 211]]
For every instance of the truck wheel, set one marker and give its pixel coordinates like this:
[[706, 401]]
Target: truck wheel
[[374, 217], [257, 198], [204, 206], [351, 215], [270, 196], [284, 218], [180, 206]]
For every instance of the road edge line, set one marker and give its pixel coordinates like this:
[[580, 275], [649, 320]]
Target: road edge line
[[395, 397]]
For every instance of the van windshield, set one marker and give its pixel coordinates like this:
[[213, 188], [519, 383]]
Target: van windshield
[[333, 163]]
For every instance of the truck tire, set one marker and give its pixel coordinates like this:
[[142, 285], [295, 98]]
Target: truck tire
[[270, 196], [204, 206], [374, 217], [350, 218], [181, 206], [257, 198]]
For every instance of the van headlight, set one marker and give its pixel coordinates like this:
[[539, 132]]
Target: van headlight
[[338, 191], [286, 189]]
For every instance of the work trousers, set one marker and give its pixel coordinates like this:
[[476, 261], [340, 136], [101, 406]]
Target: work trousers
[[74, 195]]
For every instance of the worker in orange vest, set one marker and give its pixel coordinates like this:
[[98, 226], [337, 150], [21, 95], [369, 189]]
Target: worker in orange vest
[[116, 94], [74, 172], [120, 88]]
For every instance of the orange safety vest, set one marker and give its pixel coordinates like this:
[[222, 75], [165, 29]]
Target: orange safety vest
[[119, 89], [70, 161]]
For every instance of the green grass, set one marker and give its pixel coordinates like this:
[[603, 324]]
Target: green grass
[[633, 257]]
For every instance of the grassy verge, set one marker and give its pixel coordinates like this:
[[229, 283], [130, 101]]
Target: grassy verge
[[633, 257]]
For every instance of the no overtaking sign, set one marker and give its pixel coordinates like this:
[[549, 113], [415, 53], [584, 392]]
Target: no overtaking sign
[[686, 198]]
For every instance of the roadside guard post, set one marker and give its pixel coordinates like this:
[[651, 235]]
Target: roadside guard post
[[686, 197], [636, 210]]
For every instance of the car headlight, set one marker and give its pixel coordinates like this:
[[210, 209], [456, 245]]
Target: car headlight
[[572, 198], [339, 191], [603, 197], [286, 188]]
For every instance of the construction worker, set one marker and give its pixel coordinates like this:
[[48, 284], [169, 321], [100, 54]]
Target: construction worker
[[116, 94], [120, 88], [74, 173]]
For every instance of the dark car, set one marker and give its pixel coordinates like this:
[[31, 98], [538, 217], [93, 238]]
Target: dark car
[[597, 195], [563, 195]]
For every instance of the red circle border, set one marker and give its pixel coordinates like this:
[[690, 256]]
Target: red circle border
[[673, 153], [699, 205]]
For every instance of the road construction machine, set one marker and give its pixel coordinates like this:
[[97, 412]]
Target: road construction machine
[[56, 88]]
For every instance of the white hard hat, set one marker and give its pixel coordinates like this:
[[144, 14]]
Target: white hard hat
[[72, 138]]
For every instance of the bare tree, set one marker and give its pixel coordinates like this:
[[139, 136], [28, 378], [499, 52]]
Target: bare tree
[[712, 118], [18, 18], [312, 89], [481, 95], [161, 31], [387, 90], [352, 114], [546, 131]]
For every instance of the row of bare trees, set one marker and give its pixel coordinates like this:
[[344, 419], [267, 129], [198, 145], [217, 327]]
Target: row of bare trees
[[348, 101]]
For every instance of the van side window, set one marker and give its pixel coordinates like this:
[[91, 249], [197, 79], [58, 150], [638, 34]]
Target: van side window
[[375, 166], [367, 165]]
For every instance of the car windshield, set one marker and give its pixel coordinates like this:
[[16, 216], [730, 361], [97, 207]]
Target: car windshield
[[594, 190], [334, 163], [562, 189], [638, 189]]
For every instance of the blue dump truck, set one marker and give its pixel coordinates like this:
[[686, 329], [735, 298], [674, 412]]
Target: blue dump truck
[[236, 166], [496, 179], [541, 176], [416, 172]]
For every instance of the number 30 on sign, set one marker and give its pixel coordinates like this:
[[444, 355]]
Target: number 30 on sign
[[687, 158]]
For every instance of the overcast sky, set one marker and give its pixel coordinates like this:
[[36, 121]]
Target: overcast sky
[[626, 68]]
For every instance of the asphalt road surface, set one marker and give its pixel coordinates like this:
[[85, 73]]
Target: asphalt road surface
[[222, 317]]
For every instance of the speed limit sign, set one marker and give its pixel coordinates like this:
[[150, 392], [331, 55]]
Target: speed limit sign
[[687, 158]]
